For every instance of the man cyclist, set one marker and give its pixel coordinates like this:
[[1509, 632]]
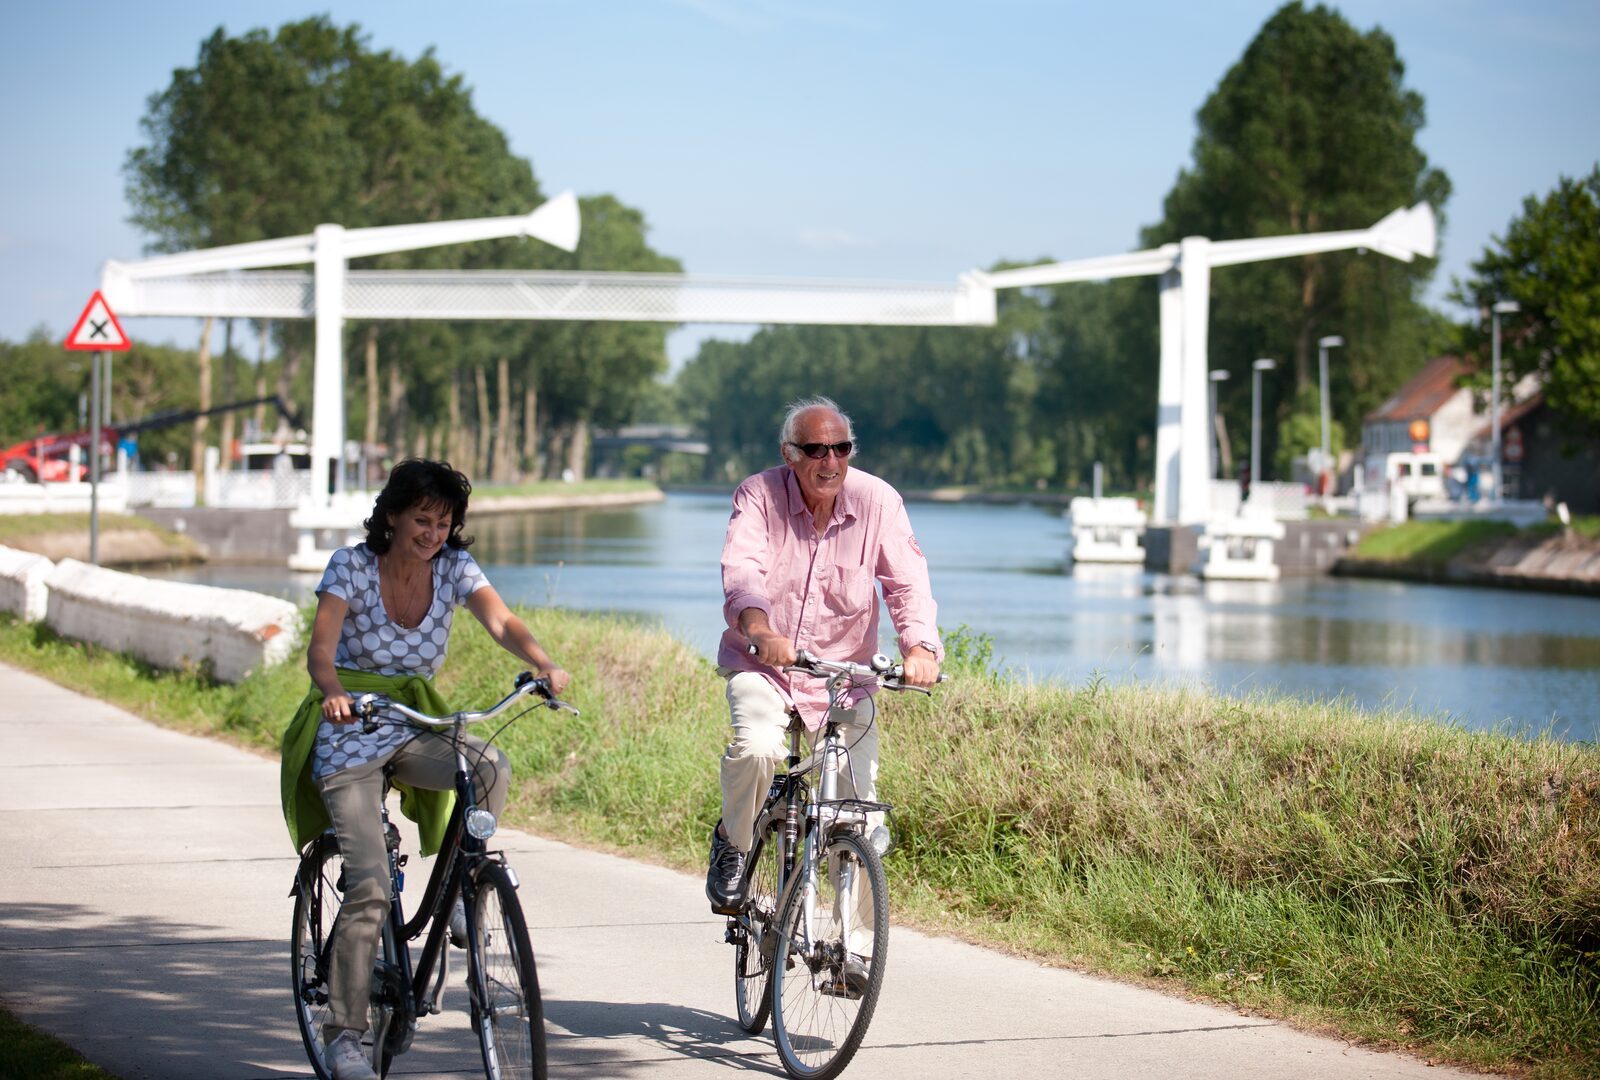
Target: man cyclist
[[805, 545]]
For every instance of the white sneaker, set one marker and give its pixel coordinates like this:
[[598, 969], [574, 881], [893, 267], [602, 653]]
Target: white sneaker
[[344, 1058], [458, 924]]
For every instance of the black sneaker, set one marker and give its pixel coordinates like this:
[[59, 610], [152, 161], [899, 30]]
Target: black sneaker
[[725, 876]]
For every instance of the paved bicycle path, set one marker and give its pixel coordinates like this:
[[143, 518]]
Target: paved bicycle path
[[144, 918]]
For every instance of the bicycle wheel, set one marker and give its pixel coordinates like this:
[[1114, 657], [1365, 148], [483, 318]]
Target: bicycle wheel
[[831, 959], [752, 960], [504, 986], [317, 900]]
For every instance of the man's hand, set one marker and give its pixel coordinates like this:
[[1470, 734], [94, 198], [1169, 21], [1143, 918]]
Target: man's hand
[[921, 667], [772, 647]]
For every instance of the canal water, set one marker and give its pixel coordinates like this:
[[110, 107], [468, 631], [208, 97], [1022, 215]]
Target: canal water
[[1526, 662]]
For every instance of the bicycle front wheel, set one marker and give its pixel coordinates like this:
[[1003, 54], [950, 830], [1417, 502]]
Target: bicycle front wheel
[[752, 960], [318, 897], [833, 943], [506, 1009]]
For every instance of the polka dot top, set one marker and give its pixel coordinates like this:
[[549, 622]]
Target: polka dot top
[[371, 641]]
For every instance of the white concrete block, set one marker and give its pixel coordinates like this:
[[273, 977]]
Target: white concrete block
[[22, 587], [171, 624]]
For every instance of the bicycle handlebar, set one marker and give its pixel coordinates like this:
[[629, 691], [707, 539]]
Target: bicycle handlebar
[[889, 675], [367, 706]]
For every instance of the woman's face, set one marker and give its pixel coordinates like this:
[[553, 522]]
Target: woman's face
[[419, 530]]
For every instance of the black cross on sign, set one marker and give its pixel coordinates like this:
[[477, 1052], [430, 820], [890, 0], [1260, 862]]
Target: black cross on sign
[[98, 329]]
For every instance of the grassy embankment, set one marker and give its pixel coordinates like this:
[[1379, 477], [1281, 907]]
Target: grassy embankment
[[125, 539], [1388, 878], [1435, 543], [29, 1054]]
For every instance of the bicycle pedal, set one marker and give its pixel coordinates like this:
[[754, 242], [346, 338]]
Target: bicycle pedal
[[837, 987]]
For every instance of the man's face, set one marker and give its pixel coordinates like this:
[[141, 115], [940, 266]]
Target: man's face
[[820, 479]]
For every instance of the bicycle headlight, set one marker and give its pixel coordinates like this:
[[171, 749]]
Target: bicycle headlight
[[480, 824]]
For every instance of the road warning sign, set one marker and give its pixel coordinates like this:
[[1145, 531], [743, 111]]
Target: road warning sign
[[98, 329]]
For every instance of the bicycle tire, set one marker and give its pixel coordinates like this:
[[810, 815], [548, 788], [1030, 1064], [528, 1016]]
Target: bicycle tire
[[316, 905], [819, 1017], [752, 959], [507, 1012]]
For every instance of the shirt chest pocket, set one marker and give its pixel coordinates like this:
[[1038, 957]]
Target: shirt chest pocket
[[847, 590]]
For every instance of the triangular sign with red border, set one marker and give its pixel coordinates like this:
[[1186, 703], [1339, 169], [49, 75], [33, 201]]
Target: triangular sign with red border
[[98, 329]]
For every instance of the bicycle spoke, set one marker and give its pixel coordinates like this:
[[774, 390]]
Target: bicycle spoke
[[834, 941], [506, 1007]]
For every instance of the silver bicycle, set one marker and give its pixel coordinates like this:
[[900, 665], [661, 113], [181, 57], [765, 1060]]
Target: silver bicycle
[[811, 942]]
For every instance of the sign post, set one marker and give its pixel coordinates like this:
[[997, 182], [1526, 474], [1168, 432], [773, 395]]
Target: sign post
[[97, 332]]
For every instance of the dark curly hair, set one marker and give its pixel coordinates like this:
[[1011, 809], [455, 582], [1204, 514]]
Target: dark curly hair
[[416, 482]]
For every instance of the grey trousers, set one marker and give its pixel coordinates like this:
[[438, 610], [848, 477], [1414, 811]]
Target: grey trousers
[[353, 797]]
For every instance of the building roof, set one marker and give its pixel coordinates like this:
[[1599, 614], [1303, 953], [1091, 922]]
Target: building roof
[[1425, 393], [1509, 416]]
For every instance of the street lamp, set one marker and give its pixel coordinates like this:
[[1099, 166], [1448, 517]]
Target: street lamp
[[1504, 307], [1255, 417], [1333, 341], [1217, 375]]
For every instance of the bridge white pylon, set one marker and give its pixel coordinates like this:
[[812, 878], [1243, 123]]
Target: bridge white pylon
[[1182, 480]]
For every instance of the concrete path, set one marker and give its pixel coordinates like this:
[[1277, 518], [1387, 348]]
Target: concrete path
[[144, 919]]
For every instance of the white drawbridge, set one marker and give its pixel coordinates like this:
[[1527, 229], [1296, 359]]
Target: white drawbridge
[[232, 282]]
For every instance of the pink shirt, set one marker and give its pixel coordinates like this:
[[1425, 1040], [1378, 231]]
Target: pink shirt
[[819, 589]]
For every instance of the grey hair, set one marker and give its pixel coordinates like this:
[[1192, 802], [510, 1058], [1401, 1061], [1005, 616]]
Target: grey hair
[[792, 418]]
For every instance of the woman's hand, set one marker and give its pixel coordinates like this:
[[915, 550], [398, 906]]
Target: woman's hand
[[558, 680], [336, 709]]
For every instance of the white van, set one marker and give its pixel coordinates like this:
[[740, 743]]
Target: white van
[[1419, 475]]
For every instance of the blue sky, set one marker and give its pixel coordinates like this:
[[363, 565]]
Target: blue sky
[[906, 141]]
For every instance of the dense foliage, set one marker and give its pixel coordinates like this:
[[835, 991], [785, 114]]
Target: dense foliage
[[1312, 130], [270, 134], [1549, 262]]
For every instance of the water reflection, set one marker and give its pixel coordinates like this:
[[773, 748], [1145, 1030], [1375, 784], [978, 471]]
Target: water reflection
[[1482, 657]]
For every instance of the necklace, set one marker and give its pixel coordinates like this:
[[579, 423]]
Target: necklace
[[393, 605]]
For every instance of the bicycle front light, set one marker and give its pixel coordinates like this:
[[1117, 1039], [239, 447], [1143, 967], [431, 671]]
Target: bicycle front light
[[480, 824]]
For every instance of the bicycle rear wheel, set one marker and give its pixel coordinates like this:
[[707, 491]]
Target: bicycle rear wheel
[[318, 898], [830, 959], [752, 960], [506, 1009]]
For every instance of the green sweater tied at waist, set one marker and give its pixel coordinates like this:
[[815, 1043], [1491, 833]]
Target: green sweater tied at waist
[[303, 810]]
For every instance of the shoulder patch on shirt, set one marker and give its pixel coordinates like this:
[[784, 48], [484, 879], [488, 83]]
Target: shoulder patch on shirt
[[915, 548]]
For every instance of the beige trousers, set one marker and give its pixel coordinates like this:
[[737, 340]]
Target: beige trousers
[[760, 740], [353, 798]]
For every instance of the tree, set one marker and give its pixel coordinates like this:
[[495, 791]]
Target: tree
[[270, 134], [1312, 130], [1549, 262]]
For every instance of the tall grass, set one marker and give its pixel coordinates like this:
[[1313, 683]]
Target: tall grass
[[1390, 878]]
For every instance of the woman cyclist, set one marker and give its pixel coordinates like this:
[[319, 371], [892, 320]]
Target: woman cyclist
[[384, 609]]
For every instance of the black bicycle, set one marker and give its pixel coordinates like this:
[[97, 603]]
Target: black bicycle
[[502, 983], [812, 940]]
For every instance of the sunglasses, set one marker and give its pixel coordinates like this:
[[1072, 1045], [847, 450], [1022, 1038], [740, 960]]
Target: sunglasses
[[816, 451]]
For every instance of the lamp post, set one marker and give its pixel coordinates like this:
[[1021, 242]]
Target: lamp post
[[1217, 375], [1255, 417], [1504, 307], [1332, 341]]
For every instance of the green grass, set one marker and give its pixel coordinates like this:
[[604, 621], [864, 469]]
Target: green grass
[[625, 485], [23, 527], [27, 1053], [1384, 876], [1429, 541]]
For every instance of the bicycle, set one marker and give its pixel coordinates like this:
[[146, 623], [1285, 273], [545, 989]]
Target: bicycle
[[502, 982], [831, 927]]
